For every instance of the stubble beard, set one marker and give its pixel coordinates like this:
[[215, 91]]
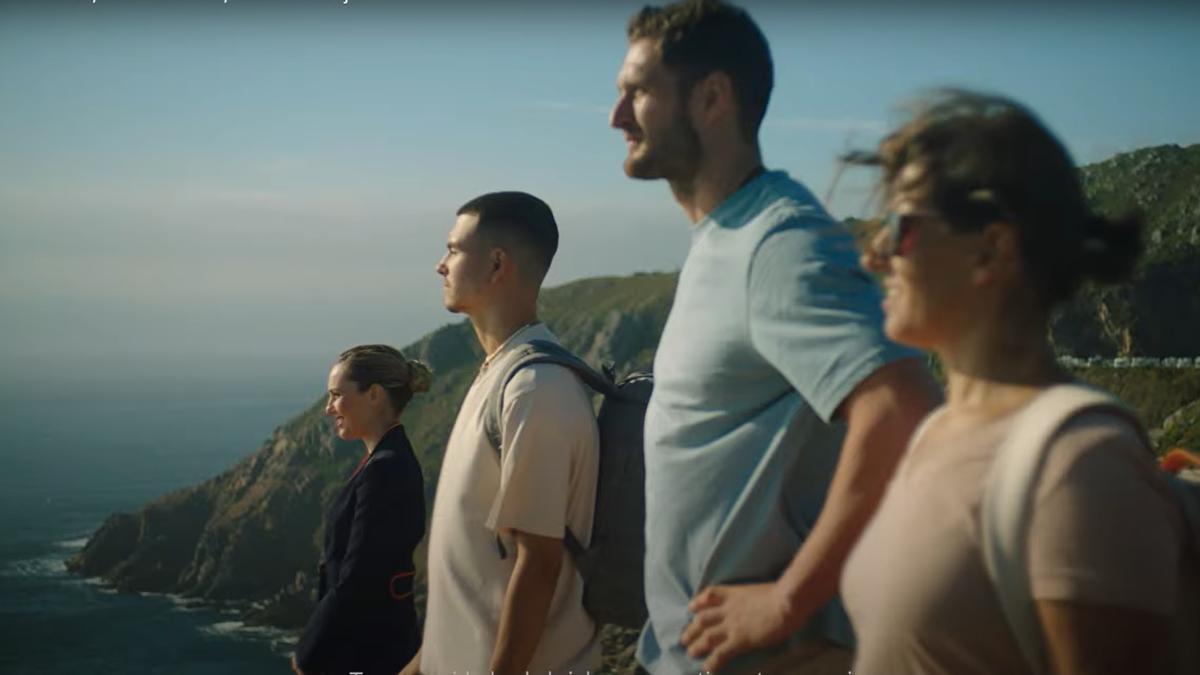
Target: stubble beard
[[675, 157]]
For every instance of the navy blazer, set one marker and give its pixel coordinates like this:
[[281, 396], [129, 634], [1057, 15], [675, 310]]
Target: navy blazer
[[365, 618]]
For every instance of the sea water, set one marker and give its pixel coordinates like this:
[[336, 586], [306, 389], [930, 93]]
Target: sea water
[[70, 456]]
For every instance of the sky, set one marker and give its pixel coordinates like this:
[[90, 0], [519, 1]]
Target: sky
[[208, 185]]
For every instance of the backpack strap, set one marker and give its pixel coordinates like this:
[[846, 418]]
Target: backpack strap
[[918, 434], [1008, 502], [528, 354]]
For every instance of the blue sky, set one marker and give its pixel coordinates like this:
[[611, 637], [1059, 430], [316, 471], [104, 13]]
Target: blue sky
[[247, 182]]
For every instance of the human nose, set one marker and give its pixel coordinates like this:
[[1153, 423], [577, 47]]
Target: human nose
[[621, 113], [329, 405], [440, 268]]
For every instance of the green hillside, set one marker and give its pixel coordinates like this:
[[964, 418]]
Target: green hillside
[[250, 536], [1158, 312], [608, 319], [1163, 184]]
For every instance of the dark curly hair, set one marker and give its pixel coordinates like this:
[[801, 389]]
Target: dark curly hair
[[984, 158]]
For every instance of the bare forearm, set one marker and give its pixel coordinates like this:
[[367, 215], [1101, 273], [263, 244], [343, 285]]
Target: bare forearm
[[881, 413], [881, 417], [733, 619], [812, 578], [526, 603]]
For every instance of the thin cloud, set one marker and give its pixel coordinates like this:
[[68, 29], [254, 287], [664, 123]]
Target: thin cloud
[[566, 106], [832, 125]]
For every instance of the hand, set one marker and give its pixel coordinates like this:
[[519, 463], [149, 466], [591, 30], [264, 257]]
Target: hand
[[296, 666], [732, 620]]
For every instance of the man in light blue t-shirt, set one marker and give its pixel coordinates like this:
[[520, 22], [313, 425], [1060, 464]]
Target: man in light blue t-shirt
[[780, 409]]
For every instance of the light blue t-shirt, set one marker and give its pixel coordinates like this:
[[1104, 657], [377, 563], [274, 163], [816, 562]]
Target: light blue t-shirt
[[774, 323]]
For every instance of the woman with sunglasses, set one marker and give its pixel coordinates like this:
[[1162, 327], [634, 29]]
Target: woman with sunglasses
[[365, 620], [986, 232]]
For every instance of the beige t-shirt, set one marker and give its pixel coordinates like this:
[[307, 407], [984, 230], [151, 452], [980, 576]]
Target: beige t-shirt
[[1105, 530], [545, 483]]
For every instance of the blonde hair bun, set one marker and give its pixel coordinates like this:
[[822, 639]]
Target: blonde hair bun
[[420, 377], [387, 367]]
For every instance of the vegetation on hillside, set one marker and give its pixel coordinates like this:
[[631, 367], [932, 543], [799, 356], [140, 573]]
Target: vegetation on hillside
[[252, 534]]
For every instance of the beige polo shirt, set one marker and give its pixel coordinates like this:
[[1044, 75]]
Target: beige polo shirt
[[1105, 531], [545, 482]]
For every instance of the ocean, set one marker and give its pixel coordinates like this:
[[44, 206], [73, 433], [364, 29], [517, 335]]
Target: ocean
[[70, 456]]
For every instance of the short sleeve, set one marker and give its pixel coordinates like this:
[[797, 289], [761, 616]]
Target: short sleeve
[[546, 425], [1105, 528], [815, 315]]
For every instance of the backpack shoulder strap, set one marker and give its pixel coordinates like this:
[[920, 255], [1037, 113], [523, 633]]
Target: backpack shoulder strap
[[1008, 502], [528, 354], [923, 426]]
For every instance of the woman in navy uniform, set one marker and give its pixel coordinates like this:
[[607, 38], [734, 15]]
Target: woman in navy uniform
[[365, 619]]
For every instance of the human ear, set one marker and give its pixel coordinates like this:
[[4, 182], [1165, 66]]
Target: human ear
[[998, 255], [499, 261], [712, 97]]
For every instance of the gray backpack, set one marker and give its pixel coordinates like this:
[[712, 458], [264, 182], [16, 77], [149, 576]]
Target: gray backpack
[[611, 565]]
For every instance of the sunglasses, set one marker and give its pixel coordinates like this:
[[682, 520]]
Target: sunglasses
[[901, 232]]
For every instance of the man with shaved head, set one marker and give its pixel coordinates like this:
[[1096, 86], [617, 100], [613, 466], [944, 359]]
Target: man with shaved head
[[504, 597]]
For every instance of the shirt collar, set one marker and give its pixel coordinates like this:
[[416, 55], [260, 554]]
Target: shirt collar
[[519, 336], [742, 199]]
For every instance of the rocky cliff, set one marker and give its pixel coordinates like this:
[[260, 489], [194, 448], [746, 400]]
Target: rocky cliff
[[1158, 312], [250, 535]]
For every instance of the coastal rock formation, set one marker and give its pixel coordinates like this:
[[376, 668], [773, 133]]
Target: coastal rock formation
[[1158, 312], [239, 537], [251, 535]]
